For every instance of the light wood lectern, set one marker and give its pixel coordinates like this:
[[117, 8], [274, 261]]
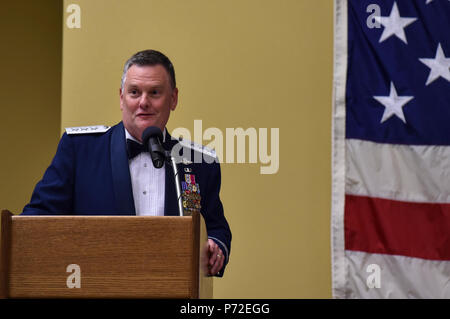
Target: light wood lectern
[[108, 256]]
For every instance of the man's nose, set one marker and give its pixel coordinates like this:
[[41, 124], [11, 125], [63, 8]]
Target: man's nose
[[144, 101]]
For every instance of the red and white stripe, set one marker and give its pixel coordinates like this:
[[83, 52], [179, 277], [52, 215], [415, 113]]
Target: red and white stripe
[[401, 277], [398, 172], [397, 215]]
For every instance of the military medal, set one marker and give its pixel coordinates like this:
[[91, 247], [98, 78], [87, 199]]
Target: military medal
[[191, 194]]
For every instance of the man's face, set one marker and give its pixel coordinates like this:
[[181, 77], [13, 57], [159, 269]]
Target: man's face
[[146, 98]]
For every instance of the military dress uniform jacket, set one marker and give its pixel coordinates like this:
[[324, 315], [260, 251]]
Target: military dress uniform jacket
[[90, 175]]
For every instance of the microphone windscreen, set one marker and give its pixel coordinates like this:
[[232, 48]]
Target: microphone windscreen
[[152, 131]]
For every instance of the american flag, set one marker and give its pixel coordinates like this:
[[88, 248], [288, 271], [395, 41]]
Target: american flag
[[391, 149]]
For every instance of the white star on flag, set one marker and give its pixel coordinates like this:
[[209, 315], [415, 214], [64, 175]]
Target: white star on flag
[[440, 66], [394, 25], [393, 104]]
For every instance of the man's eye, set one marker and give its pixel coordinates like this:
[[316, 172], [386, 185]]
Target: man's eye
[[154, 92], [133, 92]]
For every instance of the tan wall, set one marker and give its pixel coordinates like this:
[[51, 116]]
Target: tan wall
[[30, 95], [239, 63]]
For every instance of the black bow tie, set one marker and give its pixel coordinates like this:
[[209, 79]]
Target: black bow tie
[[134, 148]]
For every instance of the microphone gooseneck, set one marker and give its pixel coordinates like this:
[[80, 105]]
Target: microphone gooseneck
[[152, 138]]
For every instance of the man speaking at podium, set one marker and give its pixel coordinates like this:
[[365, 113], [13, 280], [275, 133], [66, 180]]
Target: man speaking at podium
[[99, 170]]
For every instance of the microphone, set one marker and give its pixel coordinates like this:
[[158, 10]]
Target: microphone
[[152, 138]]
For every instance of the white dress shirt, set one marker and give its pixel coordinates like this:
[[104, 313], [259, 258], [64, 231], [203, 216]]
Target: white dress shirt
[[148, 183]]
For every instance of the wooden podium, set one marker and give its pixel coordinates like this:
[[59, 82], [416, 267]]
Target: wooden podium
[[108, 256]]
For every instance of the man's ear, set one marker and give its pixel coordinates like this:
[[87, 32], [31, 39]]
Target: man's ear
[[121, 98], [174, 99]]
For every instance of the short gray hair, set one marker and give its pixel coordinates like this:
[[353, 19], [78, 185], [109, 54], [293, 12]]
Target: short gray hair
[[149, 57]]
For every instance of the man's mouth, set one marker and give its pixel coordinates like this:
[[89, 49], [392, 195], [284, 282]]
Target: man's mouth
[[145, 115]]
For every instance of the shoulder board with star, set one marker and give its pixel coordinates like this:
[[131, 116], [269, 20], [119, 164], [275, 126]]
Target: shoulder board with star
[[197, 147], [87, 129]]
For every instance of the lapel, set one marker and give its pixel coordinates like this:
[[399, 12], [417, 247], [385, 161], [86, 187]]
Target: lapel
[[123, 192], [170, 201]]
